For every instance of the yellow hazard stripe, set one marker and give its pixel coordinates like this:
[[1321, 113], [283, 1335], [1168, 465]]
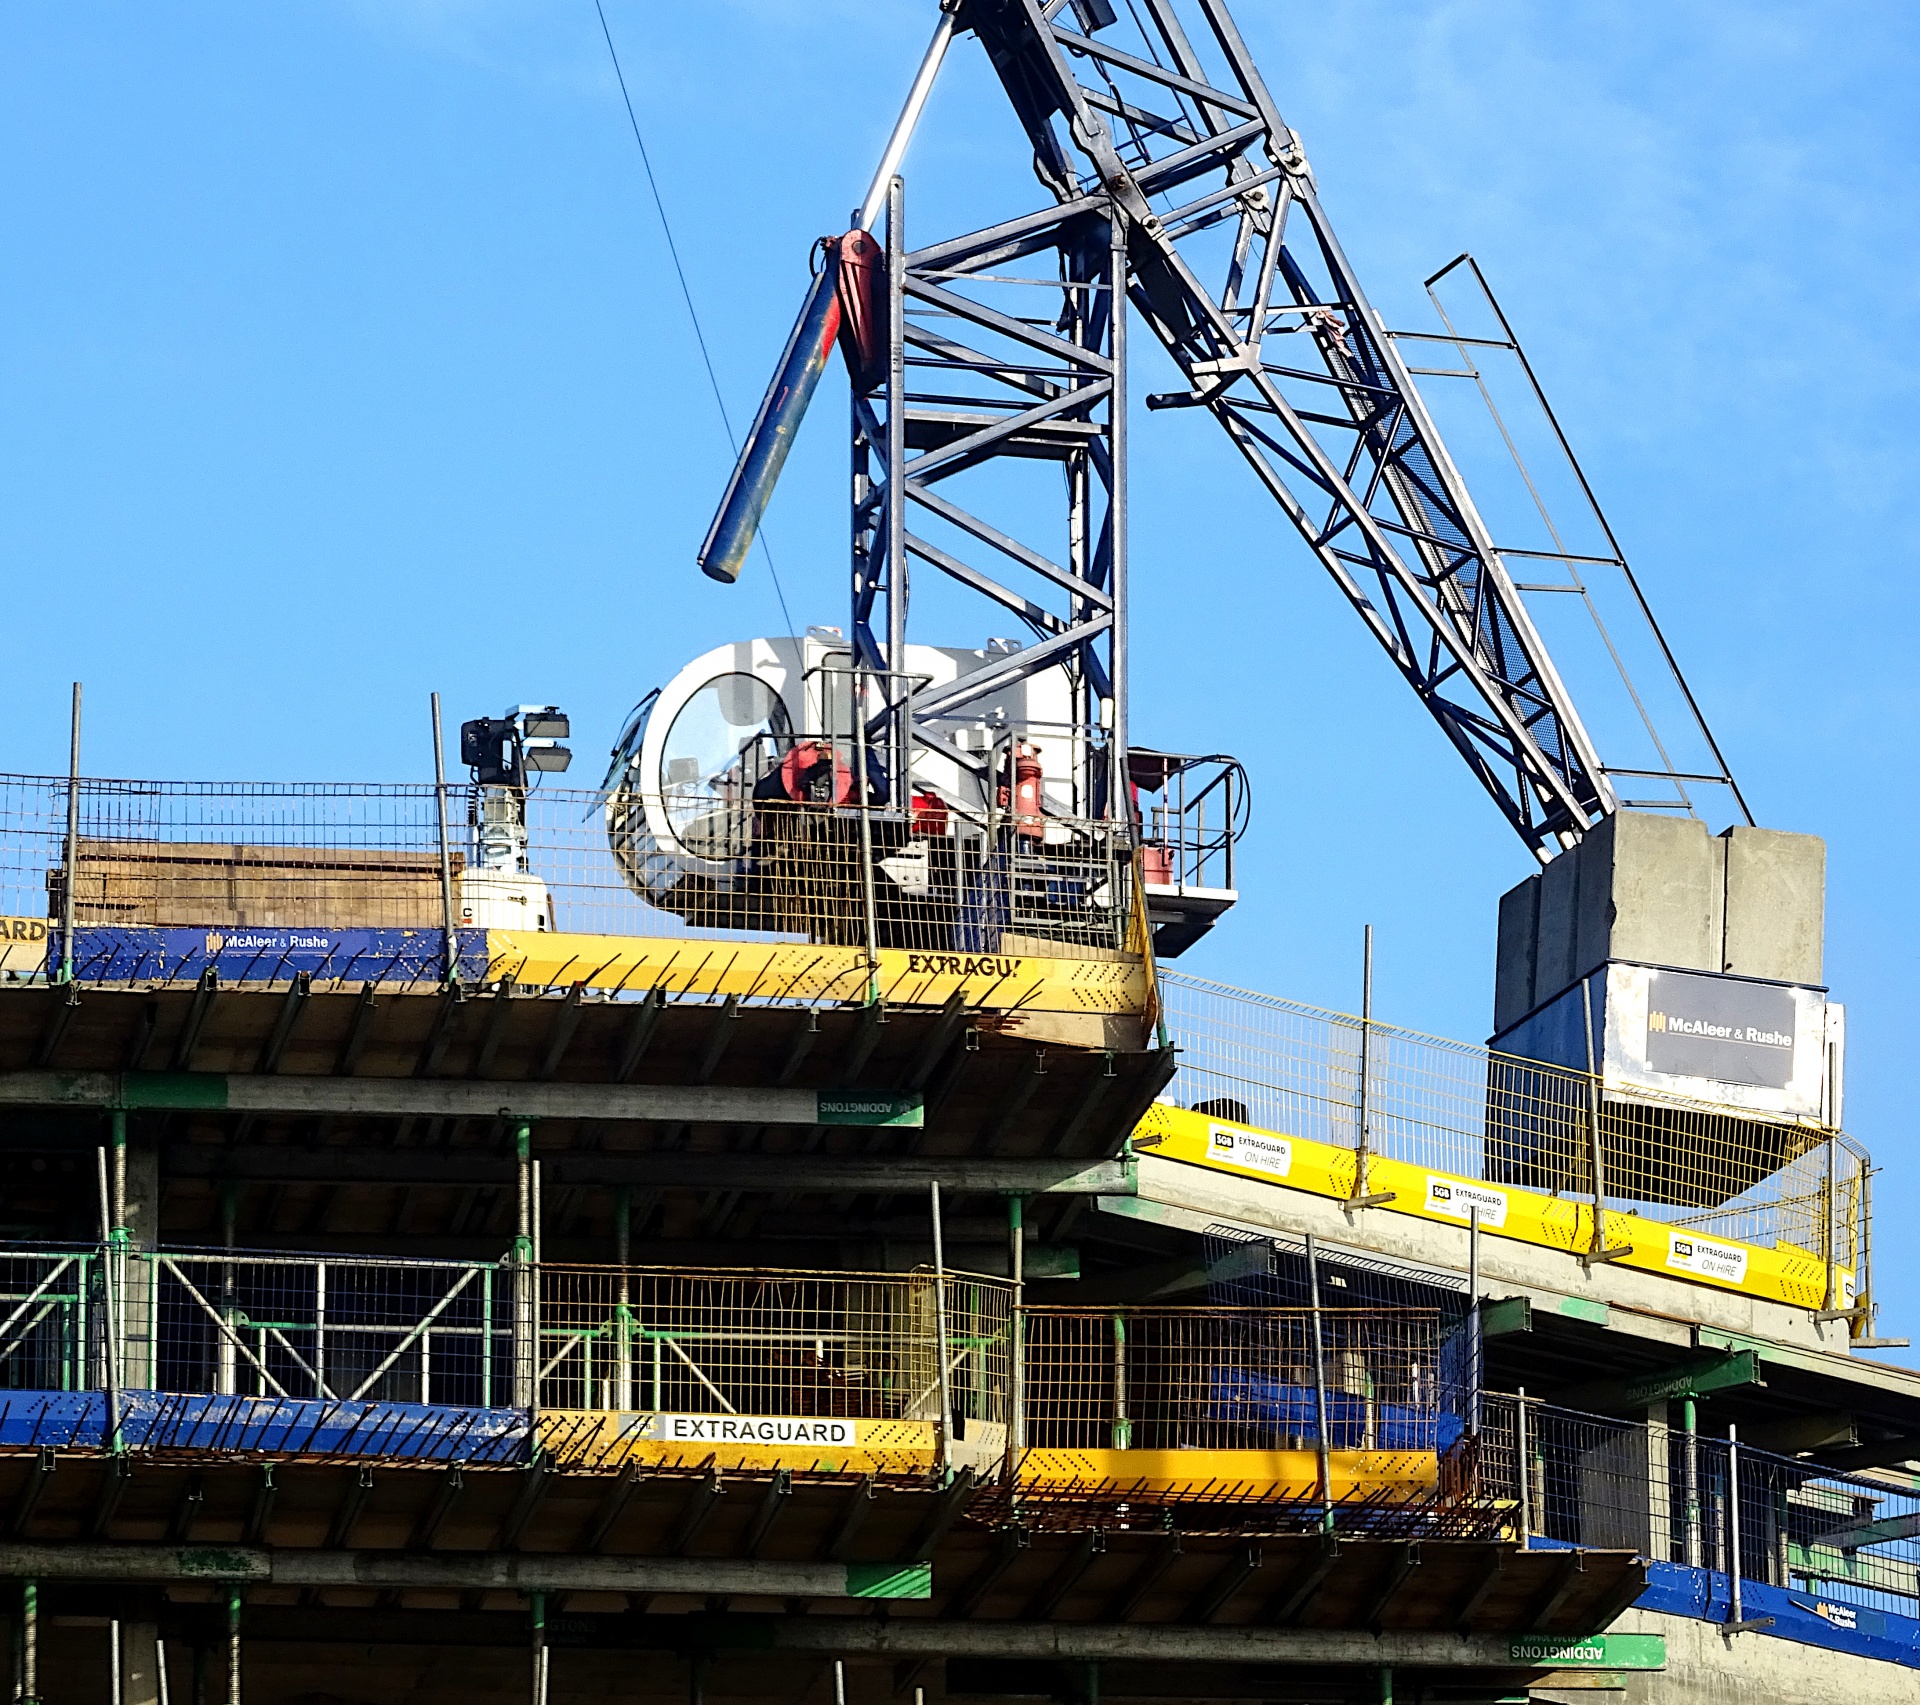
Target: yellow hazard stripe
[[802, 972], [1783, 1273]]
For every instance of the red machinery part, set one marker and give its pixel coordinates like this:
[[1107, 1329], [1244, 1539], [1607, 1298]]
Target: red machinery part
[[861, 287], [929, 818], [1028, 819], [804, 772]]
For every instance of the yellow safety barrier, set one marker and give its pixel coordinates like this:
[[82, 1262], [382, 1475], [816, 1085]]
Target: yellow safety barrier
[[804, 1444], [1004, 981], [1676, 1251], [1270, 1476]]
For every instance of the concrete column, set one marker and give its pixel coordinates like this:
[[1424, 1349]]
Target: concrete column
[[140, 1221], [139, 1663], [1660, 1511]]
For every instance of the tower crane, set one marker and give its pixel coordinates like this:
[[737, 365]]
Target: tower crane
[[990, 441]]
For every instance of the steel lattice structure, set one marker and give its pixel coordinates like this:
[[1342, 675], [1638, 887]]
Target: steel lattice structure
[[1178, 191]]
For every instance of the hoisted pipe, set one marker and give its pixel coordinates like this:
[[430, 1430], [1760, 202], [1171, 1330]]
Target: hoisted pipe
[[763, 453]]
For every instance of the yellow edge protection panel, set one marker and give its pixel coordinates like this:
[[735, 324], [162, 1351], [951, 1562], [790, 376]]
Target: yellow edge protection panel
[[797, 971], [808, 1444], [1782, 1274], [1280, 1475]]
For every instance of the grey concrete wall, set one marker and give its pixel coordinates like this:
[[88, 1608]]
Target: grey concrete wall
[[1553, 954], [1776, 905], [1513, 980], [1660, 878], [1706, 1667]]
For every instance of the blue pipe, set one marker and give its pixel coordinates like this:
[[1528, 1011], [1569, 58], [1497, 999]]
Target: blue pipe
[[782, 409]]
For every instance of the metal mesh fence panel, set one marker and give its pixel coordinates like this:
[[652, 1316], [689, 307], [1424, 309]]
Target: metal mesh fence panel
[[1232, 1379], [50, 1337], [761, 1343], [334, 1329], [248, 862], [1574, 1479], [1477, 1114]]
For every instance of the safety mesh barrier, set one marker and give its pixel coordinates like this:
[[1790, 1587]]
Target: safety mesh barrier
[[763, 1343], [213, 1350], [1233, 1379], [1595, 1481], [333, 1329], [1477, 1114], [255, 865], [49, 1334]]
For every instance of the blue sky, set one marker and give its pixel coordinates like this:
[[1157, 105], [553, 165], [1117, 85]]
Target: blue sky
[[341, 360]]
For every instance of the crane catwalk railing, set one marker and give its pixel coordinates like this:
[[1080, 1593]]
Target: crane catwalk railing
[[1463, 1110]]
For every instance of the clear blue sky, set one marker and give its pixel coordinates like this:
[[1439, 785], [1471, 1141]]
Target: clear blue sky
[[340, 360]]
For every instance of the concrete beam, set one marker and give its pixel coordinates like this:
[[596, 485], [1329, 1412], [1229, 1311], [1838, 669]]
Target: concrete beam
[[675, 1170], [209, 1565], [346, 1097], [1644, 1305], [909, 1637]]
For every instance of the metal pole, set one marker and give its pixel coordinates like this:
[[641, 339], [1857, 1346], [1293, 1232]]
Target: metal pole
[[73, 843], [229, 1368], [1122, 1434], [117, 1241], [164, 1693], [1832, 1285], [1364, 1132], [233, 1646], [524, 1347], [1863, 1285], [623, 1305], [118, 1123], [1474, 1378], [1690, 1468], [109, 1310], [1324, 1447], [898, 588], [1017, 1270], [113, 1660], [320, 1330], [1733, 1523], [864, 794], [839, 1682], [29, 1643], [1117, 797], [1599, 1162], [537, 1634], [940, 1332], [1523, 1452], [449, 919], [903, 126]]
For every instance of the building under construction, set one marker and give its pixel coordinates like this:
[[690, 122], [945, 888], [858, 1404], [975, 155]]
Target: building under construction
[[776, 1225]]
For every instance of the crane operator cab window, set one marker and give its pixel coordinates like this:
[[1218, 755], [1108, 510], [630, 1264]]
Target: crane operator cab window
[[728, 735]]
